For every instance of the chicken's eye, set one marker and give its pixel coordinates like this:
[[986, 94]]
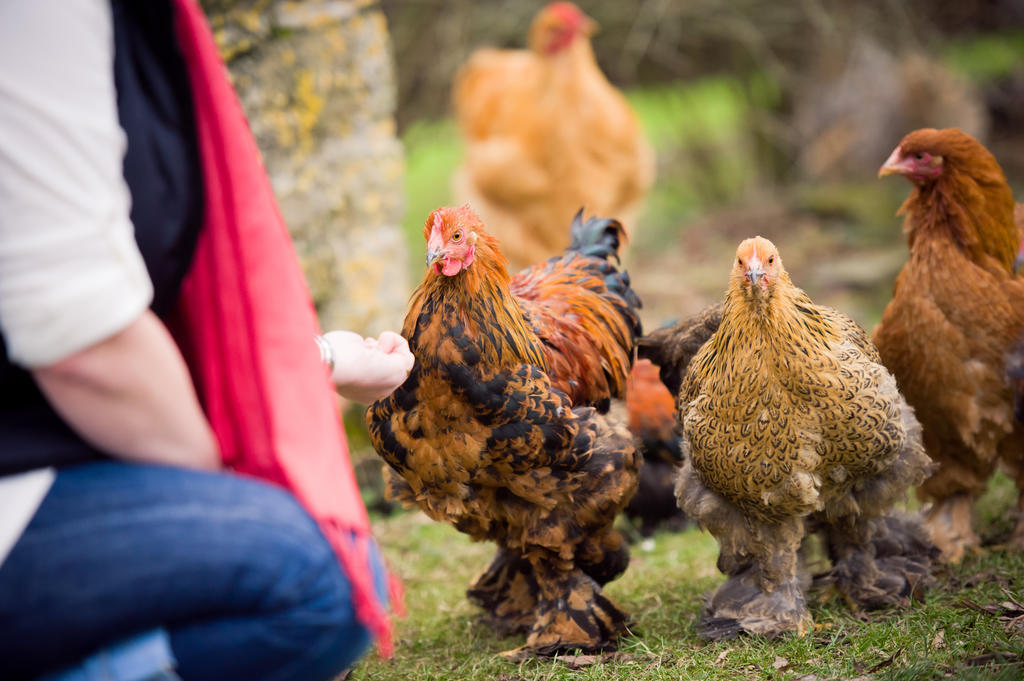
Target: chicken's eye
[[919, 156], [739, 261], [771, 259], [457, 236]]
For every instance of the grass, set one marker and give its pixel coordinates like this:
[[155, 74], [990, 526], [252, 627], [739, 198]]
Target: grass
[[945, 636], [987, 58]]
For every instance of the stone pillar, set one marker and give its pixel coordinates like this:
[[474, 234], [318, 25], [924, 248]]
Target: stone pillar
[[317, 81]]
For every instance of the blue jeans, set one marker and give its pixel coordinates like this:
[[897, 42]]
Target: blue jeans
[[235, 570]]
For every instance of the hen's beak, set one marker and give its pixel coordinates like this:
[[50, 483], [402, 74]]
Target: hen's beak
[[434, 256], [754, 274], [590, 27], [1018, 263], [894, 164]]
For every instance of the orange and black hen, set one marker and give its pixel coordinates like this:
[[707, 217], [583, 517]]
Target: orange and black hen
[[493, 433], [957, 309]]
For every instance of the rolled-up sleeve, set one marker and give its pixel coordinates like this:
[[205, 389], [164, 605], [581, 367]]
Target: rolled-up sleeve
[[71, 273]]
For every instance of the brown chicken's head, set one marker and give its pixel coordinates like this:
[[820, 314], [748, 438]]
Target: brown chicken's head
[[758, 268], [556, 27], [452, 235], [925, 155]]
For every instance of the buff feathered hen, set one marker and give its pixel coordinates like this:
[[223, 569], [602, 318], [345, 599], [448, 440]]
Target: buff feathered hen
[[956, 311], [491, 432], [791, 425], [545, 133]]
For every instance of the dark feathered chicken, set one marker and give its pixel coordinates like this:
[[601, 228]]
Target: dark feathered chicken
[[791, 425], [1015, 373], [652, 420], [1018, 217], [489, 433], [672, 347], [665, 353]]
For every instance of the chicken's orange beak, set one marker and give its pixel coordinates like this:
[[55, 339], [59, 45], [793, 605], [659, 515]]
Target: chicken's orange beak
[[895, 164], [589, 27]]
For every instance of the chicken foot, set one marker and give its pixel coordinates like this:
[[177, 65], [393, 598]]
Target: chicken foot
[[572, 613]]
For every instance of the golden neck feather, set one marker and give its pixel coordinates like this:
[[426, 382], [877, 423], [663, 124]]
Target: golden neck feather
[[481, 298], [786, 313]]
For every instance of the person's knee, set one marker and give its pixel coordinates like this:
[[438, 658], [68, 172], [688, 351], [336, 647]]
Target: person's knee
[[315, 589]]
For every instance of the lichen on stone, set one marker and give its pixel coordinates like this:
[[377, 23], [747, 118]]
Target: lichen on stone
[[317, 82]]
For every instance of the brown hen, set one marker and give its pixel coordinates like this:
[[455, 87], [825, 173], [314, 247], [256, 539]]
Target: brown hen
[[956, 310], [545, 133], [791, 425], [490, 433]]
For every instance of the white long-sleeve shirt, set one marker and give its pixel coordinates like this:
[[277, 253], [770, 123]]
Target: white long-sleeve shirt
[[71, 273]]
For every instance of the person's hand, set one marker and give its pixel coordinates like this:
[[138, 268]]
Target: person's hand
[[367, 369]]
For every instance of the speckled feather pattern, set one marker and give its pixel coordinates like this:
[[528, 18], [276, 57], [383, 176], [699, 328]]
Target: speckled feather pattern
[[784, 409]]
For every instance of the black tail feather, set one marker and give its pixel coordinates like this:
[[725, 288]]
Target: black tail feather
[[597, 237]]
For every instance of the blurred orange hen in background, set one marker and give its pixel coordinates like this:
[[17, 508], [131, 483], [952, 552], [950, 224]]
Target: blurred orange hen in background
[[545, 134]]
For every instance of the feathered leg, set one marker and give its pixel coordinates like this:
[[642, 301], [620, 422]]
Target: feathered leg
[[507, 591], [881, 557], [603, 558], [950, 521], [880, 562], [764, 592], [952, 489], [572, 613]]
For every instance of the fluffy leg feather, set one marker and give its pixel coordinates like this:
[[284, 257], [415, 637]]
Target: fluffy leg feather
[[603, 558], [742, 606], [572, 613], [881, 562], [881, 557], [507, 591], [953, 489], [764, 593]]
